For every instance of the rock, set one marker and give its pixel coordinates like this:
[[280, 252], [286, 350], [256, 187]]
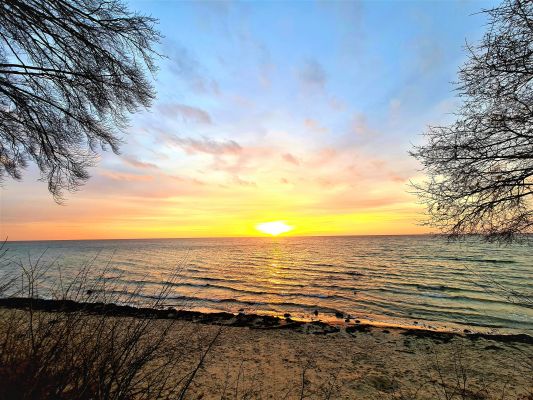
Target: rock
[[439, 337], [357, 328], [287, 315], [321, 328]]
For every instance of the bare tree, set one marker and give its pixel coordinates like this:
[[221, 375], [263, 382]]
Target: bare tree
[[480, 167], [70, 72]]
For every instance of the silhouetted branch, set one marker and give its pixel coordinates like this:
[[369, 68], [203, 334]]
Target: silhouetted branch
[[480, 167], [70, 72]]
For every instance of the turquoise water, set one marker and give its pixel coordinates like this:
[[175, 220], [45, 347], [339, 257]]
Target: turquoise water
[[405, 280]]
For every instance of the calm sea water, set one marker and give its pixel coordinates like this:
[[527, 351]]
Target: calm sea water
[[405, 280]]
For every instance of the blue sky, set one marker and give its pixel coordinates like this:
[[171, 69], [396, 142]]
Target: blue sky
[[260, 66], [298, 111]]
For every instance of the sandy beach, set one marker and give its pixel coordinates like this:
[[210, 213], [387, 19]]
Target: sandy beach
[[378, 363], [257, 357]]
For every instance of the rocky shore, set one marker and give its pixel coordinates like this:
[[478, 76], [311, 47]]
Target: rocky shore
[[265, 357], [253, 321]]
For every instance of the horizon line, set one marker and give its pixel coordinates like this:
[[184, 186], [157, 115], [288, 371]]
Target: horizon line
[[223, 237]]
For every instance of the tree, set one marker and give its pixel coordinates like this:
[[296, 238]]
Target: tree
[[70, 73], [480, 167]]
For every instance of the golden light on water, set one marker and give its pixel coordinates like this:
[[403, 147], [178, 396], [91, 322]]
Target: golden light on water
[[274, 228]]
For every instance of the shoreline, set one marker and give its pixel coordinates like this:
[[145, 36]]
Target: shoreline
[[252, 321]]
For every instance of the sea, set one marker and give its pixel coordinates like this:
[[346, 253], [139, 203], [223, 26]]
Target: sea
[[423, 281]]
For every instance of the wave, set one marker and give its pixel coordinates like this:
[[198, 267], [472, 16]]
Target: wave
[[395, 277]]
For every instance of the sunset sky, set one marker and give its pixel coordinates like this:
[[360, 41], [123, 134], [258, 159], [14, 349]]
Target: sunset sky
[[300, 112]]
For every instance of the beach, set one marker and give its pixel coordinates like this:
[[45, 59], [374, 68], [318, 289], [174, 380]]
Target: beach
[[260, 357], [379, 363]]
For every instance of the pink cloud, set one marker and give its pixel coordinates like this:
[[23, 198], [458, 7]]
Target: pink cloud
[[290, 159], [138, 164]]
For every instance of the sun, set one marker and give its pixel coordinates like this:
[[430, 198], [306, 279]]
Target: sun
[[274, 228]]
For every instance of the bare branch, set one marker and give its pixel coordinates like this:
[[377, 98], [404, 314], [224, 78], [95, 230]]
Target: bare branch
[[480, 167], [70, 73]]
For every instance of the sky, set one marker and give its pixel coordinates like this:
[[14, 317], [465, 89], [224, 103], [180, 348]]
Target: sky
[[302, 112]]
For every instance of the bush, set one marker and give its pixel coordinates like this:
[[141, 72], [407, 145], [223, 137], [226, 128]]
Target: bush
[[83, 355]]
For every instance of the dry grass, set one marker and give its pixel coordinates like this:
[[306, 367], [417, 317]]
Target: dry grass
[[78, 355]]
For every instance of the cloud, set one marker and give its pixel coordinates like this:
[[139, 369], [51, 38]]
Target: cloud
[[121, 176], [242, 182], [138, 164], [323, 156], [161, 185], [187, 180], [185, 66], [290, 159], [314, 126], [187, 113], [207, 145], [312, 74], [361, 127]]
